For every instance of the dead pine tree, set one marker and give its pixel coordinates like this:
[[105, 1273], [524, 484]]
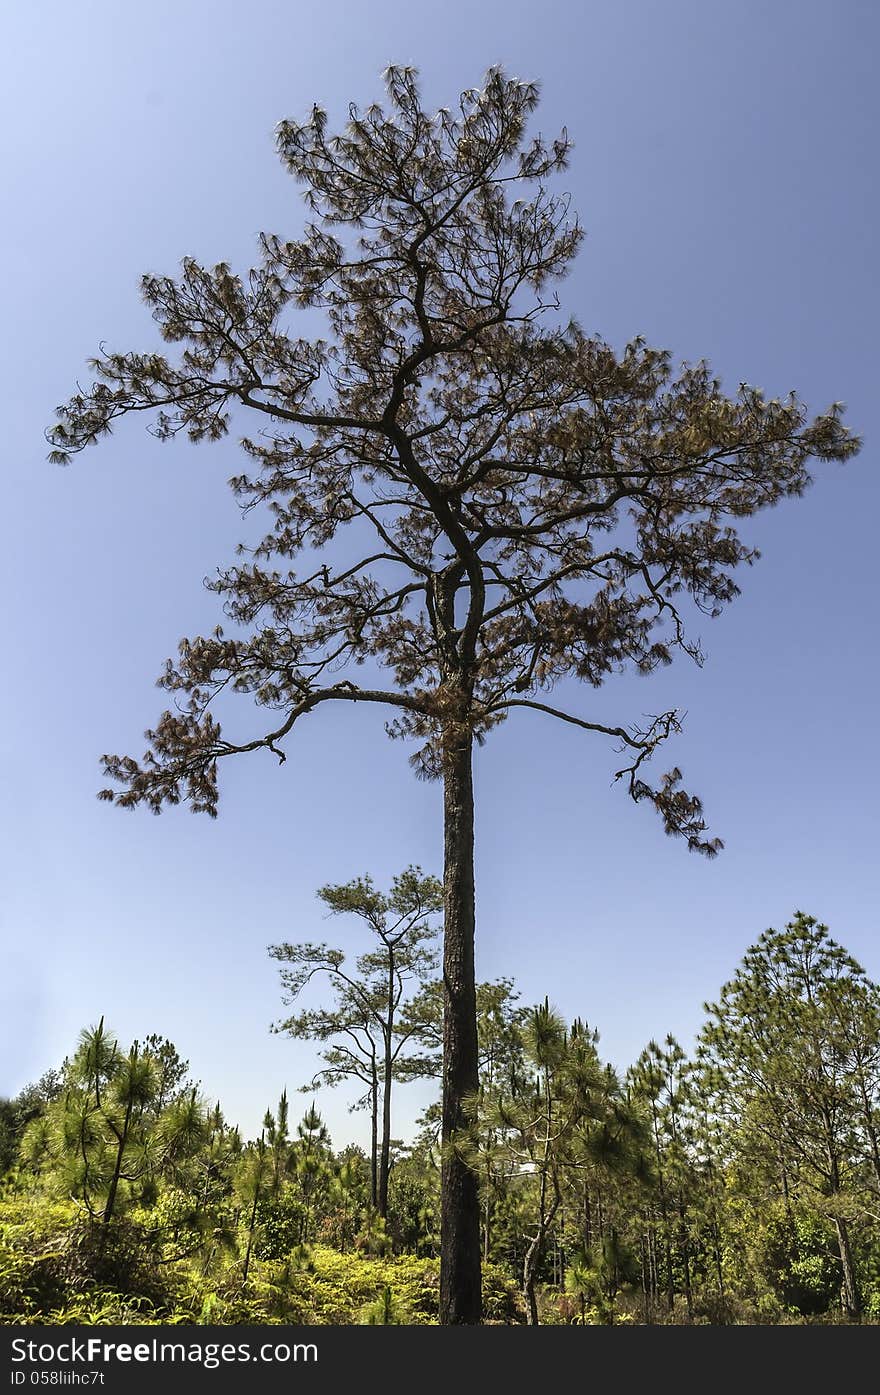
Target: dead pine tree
[[541, 506]]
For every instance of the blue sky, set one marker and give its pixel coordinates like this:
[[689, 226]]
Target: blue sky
[[725, 171]]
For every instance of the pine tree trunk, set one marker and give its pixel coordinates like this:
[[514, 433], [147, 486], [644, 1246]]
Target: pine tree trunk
[[530, 1269], [110, 1206], [460, 1294], [251, 1227], [645, 1276], [719, 1270], [374, 1140], [561, 1250], [664, 1212], [686, 1262], [850, 1288], [868, 1116], [385, 1156]]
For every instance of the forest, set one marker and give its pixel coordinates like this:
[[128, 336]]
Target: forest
[[735, 1183]]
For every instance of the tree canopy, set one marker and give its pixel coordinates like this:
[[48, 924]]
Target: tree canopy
[[569, 497]]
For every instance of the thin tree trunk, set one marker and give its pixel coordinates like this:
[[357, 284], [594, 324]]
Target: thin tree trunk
[[117, 1170], [612, 1286], [868, 1117], [686, 1261], [487, 1215], [783, 1173], [251, 1228], [561, 1249], [852, 1303], [664, 1212], [533, 1258], [850, 1289], [530, 1268], [719, 1271], [645, 1276], [715, 1231], [460, 1293], [534, 1255], [652, 1260], [535, 1252]]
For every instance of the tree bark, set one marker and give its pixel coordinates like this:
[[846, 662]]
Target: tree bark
[[534, 1255], [664, 1212], [460, 1292], [686, 1261], [850, 1288], [643, 1255], [868, 1116], [251, 1228], [530, 1269], [388, 1064], [122, 1139], [374, 1139]]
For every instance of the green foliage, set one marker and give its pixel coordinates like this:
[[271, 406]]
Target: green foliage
[[115, 1128], [52, 1255], [281, 1222], [337, 1289], [795, 1255], [793, 1048], [31, 1245], [123, 1257], [413, 1213], [16, 1114], [694, 1190], [58, 1267], [384, 1312]]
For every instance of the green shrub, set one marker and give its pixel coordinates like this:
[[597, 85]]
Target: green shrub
[[797, 1254], [337, 1289], [58, 1266]]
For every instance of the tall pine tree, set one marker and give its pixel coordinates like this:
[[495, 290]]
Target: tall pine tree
[[484, 499]]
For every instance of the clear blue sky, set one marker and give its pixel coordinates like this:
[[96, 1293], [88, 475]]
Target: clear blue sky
[[725, 169]]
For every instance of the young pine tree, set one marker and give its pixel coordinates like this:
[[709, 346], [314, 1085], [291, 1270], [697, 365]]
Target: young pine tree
[[372, 1037]]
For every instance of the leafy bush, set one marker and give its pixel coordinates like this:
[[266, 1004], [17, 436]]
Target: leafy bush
[[122, 1257], [798, 1259], [52, 1256], [32, 1238], [280, 1222]]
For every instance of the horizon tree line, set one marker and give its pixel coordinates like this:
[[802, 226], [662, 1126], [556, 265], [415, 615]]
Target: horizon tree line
[[738, 1182]]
